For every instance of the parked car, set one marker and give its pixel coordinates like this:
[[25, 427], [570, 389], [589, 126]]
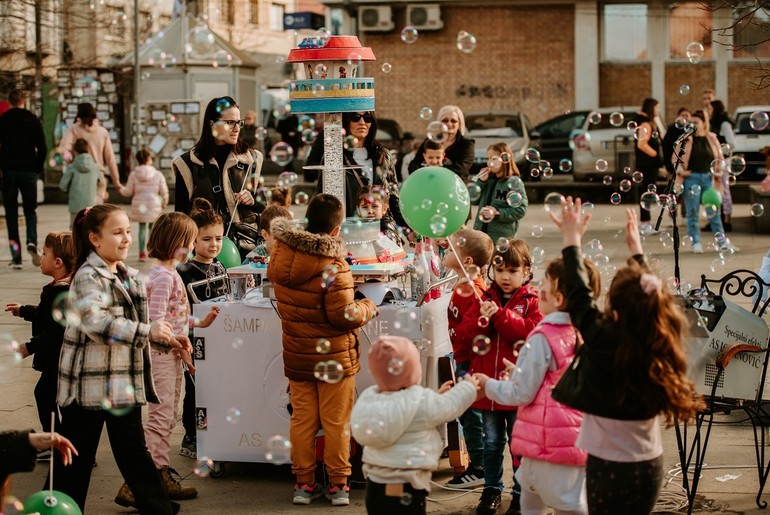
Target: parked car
[[607, 140], [749, 141], [492, 127], [553, 136]]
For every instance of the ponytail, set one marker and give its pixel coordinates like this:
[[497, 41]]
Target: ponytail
[[203, 214], [87, 221]]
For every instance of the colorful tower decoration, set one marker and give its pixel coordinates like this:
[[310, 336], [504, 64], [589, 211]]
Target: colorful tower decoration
[[332, 87]]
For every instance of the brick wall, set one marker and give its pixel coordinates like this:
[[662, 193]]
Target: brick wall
[[742, 83], [517, 65], [698, 77], [624, 84]]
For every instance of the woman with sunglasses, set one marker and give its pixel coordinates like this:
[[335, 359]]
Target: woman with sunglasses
[[377, 164], [458, 151], [216, 166]]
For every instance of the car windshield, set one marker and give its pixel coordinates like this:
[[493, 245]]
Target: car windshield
[[494, 125], [605, 121], [743, 124]]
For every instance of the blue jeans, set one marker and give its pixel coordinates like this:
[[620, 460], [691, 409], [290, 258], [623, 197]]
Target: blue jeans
[[497, 432], [15, 181], [692, 205]]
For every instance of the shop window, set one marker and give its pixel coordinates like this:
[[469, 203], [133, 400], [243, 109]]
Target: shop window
[[624, 32], [276, 16], [689, 22], [751, 34], [254, 12]]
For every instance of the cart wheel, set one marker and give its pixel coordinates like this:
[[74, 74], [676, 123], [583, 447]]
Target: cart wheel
[[217, 470]]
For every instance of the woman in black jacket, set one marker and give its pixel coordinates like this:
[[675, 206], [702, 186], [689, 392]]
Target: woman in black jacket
[[458, 151]]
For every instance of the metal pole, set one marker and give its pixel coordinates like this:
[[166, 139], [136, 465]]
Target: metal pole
[[137, 136]]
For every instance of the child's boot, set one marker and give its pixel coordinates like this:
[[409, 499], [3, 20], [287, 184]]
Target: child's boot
[[174, 488]]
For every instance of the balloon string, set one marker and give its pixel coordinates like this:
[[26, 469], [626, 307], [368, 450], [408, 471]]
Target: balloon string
[[50, 467], [465, 272], [235, 209]]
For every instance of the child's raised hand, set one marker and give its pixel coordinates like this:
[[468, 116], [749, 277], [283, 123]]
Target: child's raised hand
[[445, 387], [572, 224], [13, 308], [488, 308], [209, 318], [633, 240]]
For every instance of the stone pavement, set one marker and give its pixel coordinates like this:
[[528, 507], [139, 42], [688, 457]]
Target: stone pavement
[[260, 488]]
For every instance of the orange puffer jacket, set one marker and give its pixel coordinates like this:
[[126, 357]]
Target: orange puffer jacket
[[312, 307]]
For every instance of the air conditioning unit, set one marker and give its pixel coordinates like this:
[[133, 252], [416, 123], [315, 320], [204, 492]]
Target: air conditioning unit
[[375, 18], [424, 16]]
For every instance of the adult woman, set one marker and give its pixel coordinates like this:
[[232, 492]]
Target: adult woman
[[699, 152], [378, 165], [87, 127], [647, 150], [458, 151], [722, 125], [216, 166]]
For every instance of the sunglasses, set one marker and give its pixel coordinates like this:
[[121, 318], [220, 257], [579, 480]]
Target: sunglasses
[[231, 124], [355, 118]]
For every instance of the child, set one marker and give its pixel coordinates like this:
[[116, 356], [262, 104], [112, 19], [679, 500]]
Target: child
[[261, 252], [170, 243], [433, 153], [476, 251], [503, 201], [313, 307], [57, 262], [552, 470], [208, 243], [634, 368], [508, 313], [280, 196], [396, 420], [104, 368], [80, 179], [149, 190], [372, 204]]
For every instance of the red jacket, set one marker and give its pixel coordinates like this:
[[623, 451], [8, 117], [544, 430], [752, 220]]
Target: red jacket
[[508, 327], [463, 325]]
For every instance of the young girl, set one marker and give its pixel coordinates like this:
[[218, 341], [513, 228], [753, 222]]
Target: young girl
[[503, 201], [150, 196], [105, 368], [635, 370], [396, 422], [372, 204], [204, 265], [508, 313], [170, 242], [552, 470]]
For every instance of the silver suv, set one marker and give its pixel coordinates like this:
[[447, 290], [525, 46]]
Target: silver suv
[[492, 127], [607, 139]]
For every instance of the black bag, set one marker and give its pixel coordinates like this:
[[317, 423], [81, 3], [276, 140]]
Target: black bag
[[570, 388], [245, 236]]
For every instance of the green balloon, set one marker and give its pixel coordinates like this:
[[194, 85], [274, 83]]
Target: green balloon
[[46, 504], [711, 197], [434, 201], [229, 255]]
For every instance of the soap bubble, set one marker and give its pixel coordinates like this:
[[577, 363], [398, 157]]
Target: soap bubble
[[438, 224], [537, 231], [278, 450], [553, 202], [320, 71], [281, 153], [632, 126], [465, 42], [308, 136], [483, 322], [565, 165], [114, 408], [203, 466], [586, 208], [328, 275], [323, 346], [351, 312], [395, 366], [532, 155], [718, 167], [601, 165], [437, 131], [409, 35], [615, 198], [233, 416], [757, 210], [288, 178], [222, 59], [502, 245], [694, 191], [547, 172], [607, 180], [514, 199], [637, 177], [261, 133], [538, 255], [59, 158], [694, 52], [616, 119], [736, 165], [494, 163], [223, 105], [301, 198], [387, 67], [649, 200], [759, 120], [481, 345], [426, 113], [474, 191], [684, 89], [595, 118], [625, 185], [486, 215], [328, 371]]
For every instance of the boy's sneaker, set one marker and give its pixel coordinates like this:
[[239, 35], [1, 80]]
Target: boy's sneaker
[[490, 501], [15, 266], [339, 495], [471, 478], [304, 494], [189, 447], [697, 248], [32, 249], [515, 507]]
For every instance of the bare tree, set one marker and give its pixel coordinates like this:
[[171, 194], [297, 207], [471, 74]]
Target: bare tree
[[748, 32]]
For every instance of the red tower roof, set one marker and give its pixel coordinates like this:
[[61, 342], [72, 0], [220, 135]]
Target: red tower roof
[[336, 48]]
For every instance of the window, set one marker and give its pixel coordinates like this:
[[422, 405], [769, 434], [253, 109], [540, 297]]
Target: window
[[624, 32], [689, 22], [751, 35], [254, 12], [227, 11], [276, 16]]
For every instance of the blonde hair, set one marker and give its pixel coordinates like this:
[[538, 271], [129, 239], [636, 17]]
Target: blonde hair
[[171, 232], [447, 109]]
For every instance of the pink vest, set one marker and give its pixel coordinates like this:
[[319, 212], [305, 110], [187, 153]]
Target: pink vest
[[545, 429]]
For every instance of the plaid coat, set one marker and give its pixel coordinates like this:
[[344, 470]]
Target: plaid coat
[[105, 358]]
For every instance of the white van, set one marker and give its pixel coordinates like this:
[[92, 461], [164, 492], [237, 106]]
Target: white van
[[752, 133]]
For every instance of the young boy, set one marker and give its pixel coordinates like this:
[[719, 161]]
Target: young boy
[[476, 251], [48, 321], [80, 179], [314, 289], [433, 154], [262, 251], [372, 204]]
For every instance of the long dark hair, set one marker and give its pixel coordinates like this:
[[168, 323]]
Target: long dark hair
[[89, 220], [373, 147], [86, 113], [205, 147]]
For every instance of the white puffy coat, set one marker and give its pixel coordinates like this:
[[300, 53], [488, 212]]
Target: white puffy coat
[[398, 429]]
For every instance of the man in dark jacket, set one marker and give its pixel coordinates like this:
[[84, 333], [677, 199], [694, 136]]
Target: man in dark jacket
[[22, 156]]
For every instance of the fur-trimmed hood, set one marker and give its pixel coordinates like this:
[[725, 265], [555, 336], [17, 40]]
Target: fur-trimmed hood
[[299, 254]]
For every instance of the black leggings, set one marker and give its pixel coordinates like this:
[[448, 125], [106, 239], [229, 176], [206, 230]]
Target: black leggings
[[410, 502], [614, 487]]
